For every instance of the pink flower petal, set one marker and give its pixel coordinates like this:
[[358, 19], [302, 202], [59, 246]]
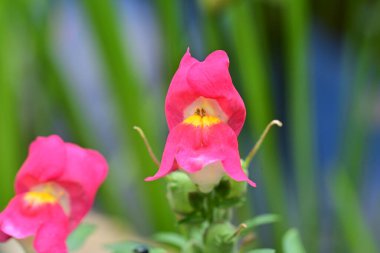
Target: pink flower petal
[[167, 162], [85, 171], [45, 162], [20, 220], [211, 79], [51, 236], [179, 94]]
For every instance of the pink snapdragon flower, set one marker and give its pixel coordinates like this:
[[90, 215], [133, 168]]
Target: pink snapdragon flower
[[55, 188], [205, 114]]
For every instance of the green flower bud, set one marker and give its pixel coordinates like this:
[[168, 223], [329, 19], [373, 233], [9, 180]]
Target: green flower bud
[[220, 237], [178, 189], [230, 189], [238, 189]]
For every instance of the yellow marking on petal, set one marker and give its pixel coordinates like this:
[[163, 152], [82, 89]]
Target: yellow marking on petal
[[40, 198], [201, 121]]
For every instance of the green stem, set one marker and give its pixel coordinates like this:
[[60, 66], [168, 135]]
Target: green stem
[[355, 231], [10, 151], [296, 20], [128, 90], [251, 57], [174, 45]]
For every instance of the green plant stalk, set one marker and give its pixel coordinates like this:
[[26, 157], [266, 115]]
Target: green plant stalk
[[358, 119], [129, 95], [358, 111], [251, 59], [347, 205], [9, 126], [169, 14], [353, 146], [296, 20], [212, 31]]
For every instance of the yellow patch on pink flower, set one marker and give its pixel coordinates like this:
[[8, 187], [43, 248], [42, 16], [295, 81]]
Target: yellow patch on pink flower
[[201, 121], [48, 193], [40, 198]]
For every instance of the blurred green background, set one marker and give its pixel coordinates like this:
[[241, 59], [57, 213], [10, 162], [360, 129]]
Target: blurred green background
[[90, 70]]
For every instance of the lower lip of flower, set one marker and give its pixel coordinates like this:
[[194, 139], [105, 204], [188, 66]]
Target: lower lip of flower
[[47, 193]]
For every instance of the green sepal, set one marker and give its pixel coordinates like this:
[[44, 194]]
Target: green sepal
[[191, 218], [179, 187], [229, 188], [232, 202]]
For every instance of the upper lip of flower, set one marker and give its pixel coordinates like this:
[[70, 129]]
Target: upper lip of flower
[[206, 83]]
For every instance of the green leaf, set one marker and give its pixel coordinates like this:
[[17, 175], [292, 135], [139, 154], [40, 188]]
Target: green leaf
[[291, 242], [123, 247], [79, 236], [157, 250], [172, 239], [262, 251], [258, 221]]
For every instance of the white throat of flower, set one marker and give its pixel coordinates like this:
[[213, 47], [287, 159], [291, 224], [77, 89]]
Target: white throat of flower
[[209, 106], [208, 177], [48, 193]]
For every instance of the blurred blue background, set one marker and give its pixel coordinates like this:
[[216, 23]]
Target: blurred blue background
[[90, 70]]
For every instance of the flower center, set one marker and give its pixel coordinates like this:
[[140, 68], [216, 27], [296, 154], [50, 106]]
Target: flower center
[[200, 119], [38, 198], [204, 112], [48, 193], [204, 107]]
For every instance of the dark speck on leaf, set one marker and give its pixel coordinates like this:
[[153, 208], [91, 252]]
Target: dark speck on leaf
[[141, 249]]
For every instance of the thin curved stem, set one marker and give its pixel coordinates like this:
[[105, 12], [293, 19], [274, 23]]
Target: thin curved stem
[[255, 148], [147, 145], [237, 232]]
